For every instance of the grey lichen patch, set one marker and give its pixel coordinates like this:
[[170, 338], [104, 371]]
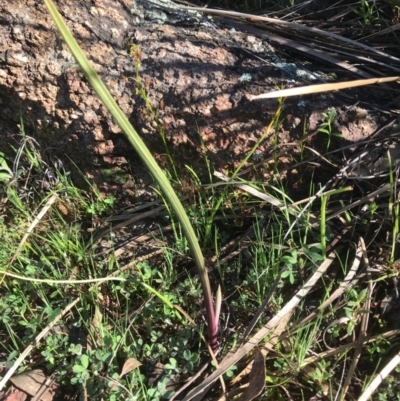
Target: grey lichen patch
[[162, 11]]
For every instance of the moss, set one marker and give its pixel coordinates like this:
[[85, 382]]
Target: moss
[[115, 175]]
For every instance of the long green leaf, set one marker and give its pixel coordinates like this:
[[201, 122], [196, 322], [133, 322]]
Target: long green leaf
[[147, 158]]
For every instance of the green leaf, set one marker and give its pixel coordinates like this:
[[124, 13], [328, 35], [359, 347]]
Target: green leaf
[[144, 153], [75, 349], [85, 361], [285, 274], [173, 362], [5, 176], [316, 257], [78, 369]]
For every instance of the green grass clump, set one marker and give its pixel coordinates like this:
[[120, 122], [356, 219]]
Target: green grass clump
[[151, 320], [109, 321]]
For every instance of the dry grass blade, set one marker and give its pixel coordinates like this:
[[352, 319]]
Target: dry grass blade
[[35, 343], [357, 59], [306, 90], [44, 210], [43, 333], [367, 198], [344, 348], [262, 307], [273, 155], [337, 293], [295, 26], [130, 220], [50, 281], [200, 391], [250, 190], [366, 395], [139, 242], [363, 328], [383, 31], [300, 48], [319, 156], [320, 193], [265, 349]]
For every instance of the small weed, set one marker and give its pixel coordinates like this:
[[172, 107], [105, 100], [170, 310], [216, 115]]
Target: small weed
[[366, 11], [5, 172], [327, 128], [290, 261]]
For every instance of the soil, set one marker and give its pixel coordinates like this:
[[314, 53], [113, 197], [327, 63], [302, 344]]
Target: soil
[[197, 79]]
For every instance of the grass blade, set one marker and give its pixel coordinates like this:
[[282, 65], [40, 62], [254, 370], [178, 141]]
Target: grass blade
[[147, 158]]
